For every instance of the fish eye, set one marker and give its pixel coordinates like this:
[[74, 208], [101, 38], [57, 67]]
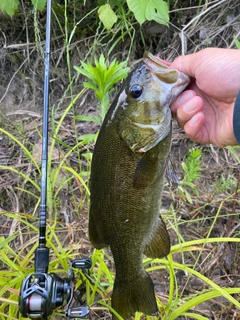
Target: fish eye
[[136, 91]]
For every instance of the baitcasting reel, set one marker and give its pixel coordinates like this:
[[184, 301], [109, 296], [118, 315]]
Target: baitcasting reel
[[41, 293]]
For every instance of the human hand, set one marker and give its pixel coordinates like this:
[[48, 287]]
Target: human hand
[[205, 109]]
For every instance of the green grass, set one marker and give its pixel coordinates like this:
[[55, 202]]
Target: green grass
[[16, 265], [66, 180], [100, 281]]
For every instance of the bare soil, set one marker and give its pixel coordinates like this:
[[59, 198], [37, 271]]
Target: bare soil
[[214, 210]]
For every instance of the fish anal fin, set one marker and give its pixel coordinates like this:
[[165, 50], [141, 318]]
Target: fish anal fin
[[158, 245], [132, 296]]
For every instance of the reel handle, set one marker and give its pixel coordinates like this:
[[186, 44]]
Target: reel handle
[[77, 312], [83, 264]]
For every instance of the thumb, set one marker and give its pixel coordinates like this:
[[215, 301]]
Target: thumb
[[185, 64]]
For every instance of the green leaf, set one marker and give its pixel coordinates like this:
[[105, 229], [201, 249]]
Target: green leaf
[[88, 138], [194, 316], [237, 42], [39, 4], [82, 117], [149, 10], [88, 156], [90, 85], [189, 199], [9, 6], [107, 16]]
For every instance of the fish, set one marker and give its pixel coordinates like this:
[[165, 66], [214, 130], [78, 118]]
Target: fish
[[127, 178]]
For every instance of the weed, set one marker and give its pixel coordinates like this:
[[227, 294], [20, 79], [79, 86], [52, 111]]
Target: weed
[[235, 152], [226, 183], [237, 42], [192, 169], [102, 78]]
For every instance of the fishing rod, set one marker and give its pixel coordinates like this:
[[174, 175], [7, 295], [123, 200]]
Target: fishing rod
[[42, 292]]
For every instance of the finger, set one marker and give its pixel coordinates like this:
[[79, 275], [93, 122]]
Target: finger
[[188, 110], [184, 97], [185, 64], [195, 129]]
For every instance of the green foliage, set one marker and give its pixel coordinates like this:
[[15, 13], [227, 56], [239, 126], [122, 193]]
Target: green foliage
[[143, 10], [237, 42], [225, 184], [10, 7], [192, 169], [102, 78], [107, 16], [99, 283], [149, 10], [235, 151], [39, 4]]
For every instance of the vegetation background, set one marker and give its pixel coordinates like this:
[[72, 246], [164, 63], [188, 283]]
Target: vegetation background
[[92, 41]]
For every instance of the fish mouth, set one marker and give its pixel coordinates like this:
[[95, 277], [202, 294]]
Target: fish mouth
[[150, 56], [167, 75]]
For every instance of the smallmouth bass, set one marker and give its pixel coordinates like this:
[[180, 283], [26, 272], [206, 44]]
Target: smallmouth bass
[[127, 178]]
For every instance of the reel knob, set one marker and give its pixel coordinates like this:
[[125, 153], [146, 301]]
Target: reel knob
[[78, 312]]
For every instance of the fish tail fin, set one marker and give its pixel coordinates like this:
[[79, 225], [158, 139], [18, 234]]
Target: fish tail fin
[[130, 297]]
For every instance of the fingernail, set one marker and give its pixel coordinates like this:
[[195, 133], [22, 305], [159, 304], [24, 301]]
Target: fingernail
[[193, 121], [190, 106], [185, 96]]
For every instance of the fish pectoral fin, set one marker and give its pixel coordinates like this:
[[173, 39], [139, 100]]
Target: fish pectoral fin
[[145, 170], [95, 236], [159, 244], [131, 296]]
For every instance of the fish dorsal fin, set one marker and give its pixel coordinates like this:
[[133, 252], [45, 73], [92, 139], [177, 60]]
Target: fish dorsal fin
[[158, 245]]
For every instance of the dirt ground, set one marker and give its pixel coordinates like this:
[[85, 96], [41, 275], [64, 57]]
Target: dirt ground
[[216, 208]]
